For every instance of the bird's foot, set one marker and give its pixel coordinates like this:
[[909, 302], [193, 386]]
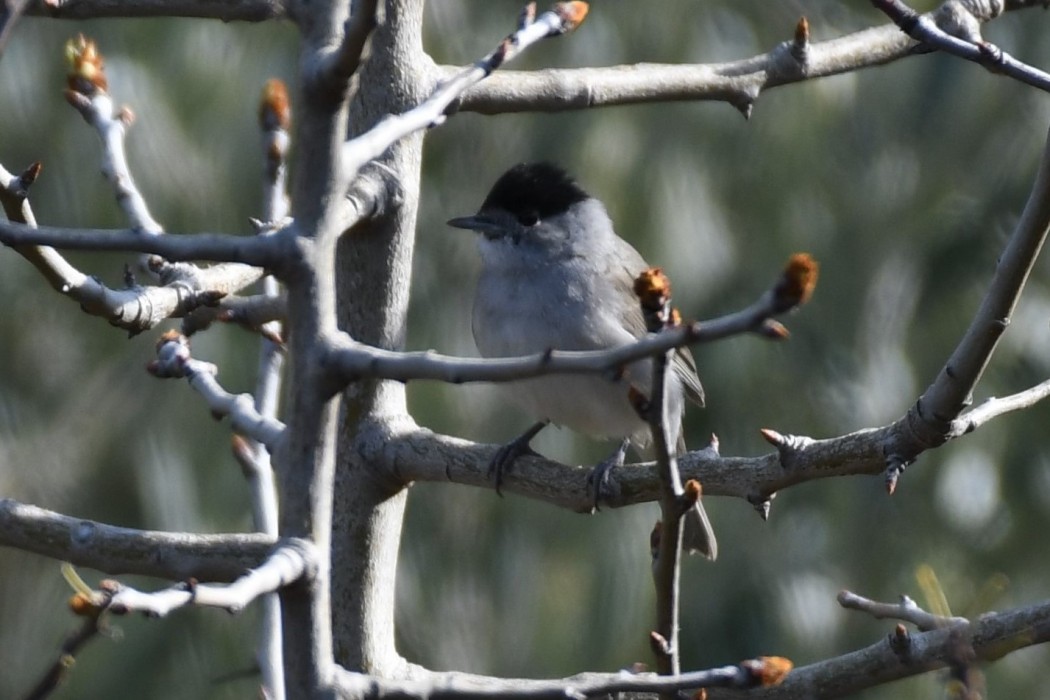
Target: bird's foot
[[599, 481], [504, 458]]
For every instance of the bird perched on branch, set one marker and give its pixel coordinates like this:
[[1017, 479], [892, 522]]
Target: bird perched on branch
[[554, 275]]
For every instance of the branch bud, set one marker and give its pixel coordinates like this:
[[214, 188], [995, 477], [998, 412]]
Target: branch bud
[[768, 670], [275, 110], [571, 14], [86, 67], [802, 32], [796, 285]]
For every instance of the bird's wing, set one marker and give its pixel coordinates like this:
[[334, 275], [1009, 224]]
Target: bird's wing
[[685, 367], [630, 265]]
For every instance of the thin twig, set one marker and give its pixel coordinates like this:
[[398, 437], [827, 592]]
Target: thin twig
[[654, 291], [56, 673], [564, 17], [175, 361], [289, 562], [354, 361], [924, 28], [906, 610]]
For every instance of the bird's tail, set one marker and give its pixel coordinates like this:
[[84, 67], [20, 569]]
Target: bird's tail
[[699, 536]]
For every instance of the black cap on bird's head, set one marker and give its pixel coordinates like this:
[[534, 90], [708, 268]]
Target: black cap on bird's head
[[528, 192]]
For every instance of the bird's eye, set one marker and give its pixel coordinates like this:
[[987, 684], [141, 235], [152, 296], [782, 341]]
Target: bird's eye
[[528, 218]]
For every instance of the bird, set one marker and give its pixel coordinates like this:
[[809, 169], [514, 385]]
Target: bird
[[556, 276]]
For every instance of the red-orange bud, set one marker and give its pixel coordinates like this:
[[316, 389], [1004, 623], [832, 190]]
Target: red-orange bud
[[769, 670], [693, 490], [653, 288], [572, 14], [275, 110], [802, 31], [799, 280]]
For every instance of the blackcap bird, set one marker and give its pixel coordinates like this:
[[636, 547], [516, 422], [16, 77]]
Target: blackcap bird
[[554, 275]]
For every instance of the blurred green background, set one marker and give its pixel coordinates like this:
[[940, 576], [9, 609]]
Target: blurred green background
[[904, 181]]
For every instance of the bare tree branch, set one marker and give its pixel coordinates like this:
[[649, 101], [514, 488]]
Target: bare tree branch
[[563, 18], [251, 250], [995, 407], [654, 291], [752, 673], [134, 308], [287, 563], [991, 635], [225, 10], [88, 94], [354, 361], [906, 610], [929, 422], [339, 65], [56, 673], [740, 83], [966, 41], [174, 360], [254, 457], [121, 550]]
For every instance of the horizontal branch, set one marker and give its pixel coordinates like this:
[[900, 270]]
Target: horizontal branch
[[353, 361], [287, 563], [225, 10], [421, 455], [737, 82], [259, 251], [991, 636], [905, 609], [121, 550], [749, 674]]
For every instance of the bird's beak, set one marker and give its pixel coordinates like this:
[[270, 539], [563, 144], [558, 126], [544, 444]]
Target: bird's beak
[[477, 222], [491, 225]]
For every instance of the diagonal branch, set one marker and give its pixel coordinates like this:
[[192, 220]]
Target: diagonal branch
[[88, 94], [929, 422], [968, 44], [991, 636], [174, 360], [563, 18], [995, 407], [134, 308]]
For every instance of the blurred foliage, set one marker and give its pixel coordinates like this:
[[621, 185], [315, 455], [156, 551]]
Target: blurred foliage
[[904, 181]]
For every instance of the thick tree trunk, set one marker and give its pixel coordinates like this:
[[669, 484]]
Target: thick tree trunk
[[375, 264]]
